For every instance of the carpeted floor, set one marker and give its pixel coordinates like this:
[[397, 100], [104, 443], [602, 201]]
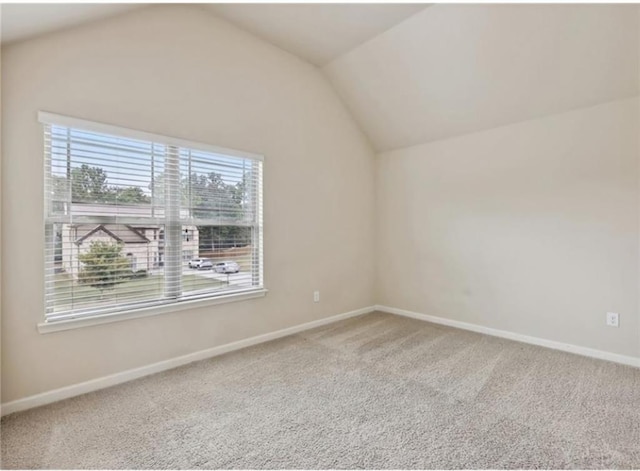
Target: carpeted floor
[[376, 391]]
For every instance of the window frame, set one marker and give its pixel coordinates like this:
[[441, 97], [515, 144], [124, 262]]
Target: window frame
[[116, 313]]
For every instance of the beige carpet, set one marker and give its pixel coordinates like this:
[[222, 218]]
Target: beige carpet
[[376, 391]]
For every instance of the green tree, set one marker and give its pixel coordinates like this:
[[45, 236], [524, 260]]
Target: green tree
[[89, 184], [132, 194], [218, 237], [103, 266], [209, 197], [213, 198]]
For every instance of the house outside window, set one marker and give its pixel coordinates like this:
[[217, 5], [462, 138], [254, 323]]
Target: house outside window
[[125, 212]]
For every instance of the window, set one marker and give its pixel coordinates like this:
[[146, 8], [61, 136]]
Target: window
[[134, 220]]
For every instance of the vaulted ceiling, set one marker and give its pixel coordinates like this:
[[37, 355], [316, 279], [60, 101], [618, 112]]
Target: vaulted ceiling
[[316, 32], [25, 20], [412, 74], [455, 69]]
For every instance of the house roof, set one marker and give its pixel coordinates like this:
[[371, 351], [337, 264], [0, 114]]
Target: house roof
[[120, 210], [123, 233]]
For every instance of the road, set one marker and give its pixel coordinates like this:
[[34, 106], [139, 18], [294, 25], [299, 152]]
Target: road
[[240, 280]]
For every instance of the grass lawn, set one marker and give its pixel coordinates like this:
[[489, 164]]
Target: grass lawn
[[140, 289]]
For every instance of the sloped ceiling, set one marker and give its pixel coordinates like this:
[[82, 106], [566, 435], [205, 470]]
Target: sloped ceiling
[[317, 32], [455, 69], [21, 21], [412, 74]]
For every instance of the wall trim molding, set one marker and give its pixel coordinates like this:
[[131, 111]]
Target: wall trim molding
[[96, 384], [565, 347]]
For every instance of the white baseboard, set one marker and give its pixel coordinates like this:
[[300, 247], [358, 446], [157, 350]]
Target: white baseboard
[[128, 375], [565, 347]]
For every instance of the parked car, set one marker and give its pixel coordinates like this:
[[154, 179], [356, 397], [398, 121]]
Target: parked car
[[206, 264], [197, 262], [227, 267]]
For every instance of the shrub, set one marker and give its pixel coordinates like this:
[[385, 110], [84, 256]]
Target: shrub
[[102, 266]]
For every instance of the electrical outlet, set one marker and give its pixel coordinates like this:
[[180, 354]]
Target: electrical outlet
[[316, 296], [613, 319]]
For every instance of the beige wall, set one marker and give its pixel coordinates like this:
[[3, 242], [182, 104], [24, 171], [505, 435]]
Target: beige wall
[[530, 228], [177, 71]]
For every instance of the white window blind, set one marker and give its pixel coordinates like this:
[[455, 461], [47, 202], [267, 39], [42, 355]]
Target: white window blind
[[134, 220]]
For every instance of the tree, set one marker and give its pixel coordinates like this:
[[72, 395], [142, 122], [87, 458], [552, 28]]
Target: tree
[[216, 237], [103, 266], [132, 194], [213, 198], [209, 197], [89, 184]]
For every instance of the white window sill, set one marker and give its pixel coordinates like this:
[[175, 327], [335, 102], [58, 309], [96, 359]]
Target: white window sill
[[56, 326]]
